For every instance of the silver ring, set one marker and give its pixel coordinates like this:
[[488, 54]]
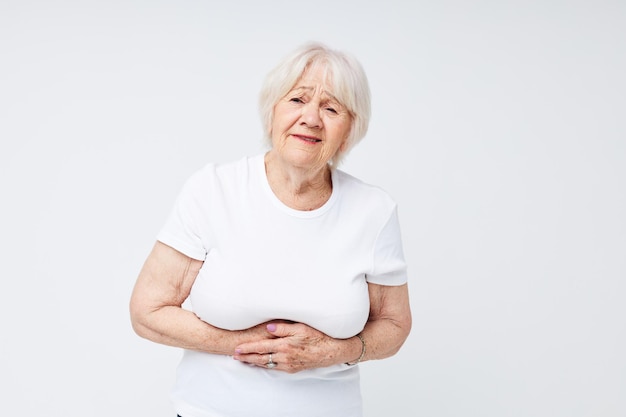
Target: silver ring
[[270, 364]]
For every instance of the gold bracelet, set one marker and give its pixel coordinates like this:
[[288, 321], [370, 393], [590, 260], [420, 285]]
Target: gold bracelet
[[363, 350]]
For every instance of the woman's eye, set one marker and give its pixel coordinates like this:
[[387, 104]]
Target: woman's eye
[[332, 110], [296, 100]]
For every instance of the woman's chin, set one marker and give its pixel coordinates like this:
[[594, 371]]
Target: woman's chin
[[304, 159]]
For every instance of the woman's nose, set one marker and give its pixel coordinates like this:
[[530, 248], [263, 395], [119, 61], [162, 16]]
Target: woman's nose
[[311, 116]]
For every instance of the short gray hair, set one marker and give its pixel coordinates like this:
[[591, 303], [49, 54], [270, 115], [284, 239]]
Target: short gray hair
[[346, 76]]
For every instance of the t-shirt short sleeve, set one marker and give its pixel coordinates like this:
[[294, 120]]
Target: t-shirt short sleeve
[[389, 266], [181, 230]]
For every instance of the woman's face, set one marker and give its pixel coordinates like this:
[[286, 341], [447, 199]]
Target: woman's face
[[309, 124]]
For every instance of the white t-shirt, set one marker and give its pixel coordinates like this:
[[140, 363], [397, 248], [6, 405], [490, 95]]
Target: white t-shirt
[[265, 261]]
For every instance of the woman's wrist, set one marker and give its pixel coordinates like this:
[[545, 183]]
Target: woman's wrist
[[363, 350]]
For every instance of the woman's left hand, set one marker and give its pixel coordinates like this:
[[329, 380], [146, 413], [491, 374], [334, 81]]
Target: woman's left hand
[[294, 348]]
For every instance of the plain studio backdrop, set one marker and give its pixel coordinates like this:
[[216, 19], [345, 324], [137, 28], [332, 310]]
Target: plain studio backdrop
[[498, 126]]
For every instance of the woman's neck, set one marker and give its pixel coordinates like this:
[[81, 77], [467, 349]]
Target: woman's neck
[[299, 189]]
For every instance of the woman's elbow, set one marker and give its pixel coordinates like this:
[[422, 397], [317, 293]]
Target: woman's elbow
[[138, 317], [402, 325]]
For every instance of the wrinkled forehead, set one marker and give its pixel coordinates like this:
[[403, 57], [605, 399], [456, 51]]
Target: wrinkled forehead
[[311, 88]]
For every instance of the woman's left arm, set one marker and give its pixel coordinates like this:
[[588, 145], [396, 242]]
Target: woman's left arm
[[297, 347], [389, 322]]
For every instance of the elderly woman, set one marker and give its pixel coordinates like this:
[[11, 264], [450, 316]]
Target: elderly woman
[[294, 269]]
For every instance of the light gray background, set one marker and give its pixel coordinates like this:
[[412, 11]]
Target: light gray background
[[498, 126]]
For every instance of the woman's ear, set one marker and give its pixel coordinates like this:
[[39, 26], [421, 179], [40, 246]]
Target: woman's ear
[[344, 145]]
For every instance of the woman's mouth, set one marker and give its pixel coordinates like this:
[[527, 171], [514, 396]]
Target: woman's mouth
[[310, 139]]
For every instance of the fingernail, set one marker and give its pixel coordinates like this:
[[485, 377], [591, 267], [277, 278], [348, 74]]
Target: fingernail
[[271, 327], [237, 351]]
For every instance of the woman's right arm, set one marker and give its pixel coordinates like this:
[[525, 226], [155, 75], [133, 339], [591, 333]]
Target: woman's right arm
[[156, 313]]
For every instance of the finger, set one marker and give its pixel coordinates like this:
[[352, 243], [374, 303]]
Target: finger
[[271, 363], [282, 329], [264, 360], [260, 347]]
